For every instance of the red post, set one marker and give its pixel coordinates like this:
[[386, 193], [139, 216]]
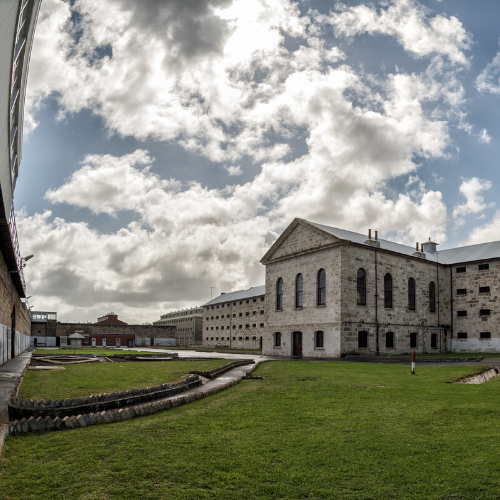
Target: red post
[[414, 355]]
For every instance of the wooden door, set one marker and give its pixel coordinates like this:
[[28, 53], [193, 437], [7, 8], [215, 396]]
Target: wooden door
[[297, 344]]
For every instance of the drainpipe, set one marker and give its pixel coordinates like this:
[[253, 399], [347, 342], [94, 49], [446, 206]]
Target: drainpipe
[[451, 308], [376, 302]]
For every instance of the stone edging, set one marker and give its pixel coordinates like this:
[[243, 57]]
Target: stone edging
[[100, 402], [4, 432], [478, 378], [216, 372], [24, 426]]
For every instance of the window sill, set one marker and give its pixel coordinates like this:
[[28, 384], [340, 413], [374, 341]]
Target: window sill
[[321, 305], [319, 348], [277, 347], [298, 308]]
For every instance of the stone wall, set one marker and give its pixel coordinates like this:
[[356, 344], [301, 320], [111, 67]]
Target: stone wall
[[237, 324], [311, 317], [467, 329], [399, 319], [341, 319]]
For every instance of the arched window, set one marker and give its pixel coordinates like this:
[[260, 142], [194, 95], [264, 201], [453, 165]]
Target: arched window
[[389, 339], [299, 290], [361, 284], [413, 340], [321, 295], [277, 339], [318, 339], [432, 297], [387, 290], [411, 294], [362, 340], [279, 294]]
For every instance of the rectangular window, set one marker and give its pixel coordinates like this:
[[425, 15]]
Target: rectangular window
[[254, 325], [362, 340], [254, 300], [234, 338], [389, 340], [461, 269], [222, 328], [247, 338], [216, 338], [262, 299], [319, 340], [462, 291], [434, 338], [262, 325], [483, 267], [234, 326], [240, 326], [247, 314], [211, 338], [485, 335], [254, 338], [234, 315], [484, 312], [277, 339], [240, 338], [240, 315], [247, 326], [484, 289], [461, 313], [206, 338], [461, 335]]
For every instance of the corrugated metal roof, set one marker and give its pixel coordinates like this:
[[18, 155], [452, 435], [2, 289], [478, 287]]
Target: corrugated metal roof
[[361, 239], [482, 251], [471, 253], [254, 291]]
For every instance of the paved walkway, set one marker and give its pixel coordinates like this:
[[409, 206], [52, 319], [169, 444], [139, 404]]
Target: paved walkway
[[10, 375]]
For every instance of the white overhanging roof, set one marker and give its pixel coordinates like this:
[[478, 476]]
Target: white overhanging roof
[[471, 253], [249, 293]]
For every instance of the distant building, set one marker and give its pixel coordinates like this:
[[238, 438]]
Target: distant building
[[188, 323], [43, 328], [236, 320], [110, 319]]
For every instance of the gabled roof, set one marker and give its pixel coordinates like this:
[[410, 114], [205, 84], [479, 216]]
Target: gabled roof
[[254, 291], [471, 253]]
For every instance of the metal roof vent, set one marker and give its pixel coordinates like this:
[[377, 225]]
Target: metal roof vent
[[430, 246]]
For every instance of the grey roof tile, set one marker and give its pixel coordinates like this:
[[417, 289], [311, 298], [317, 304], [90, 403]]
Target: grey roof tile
[[254, 291]]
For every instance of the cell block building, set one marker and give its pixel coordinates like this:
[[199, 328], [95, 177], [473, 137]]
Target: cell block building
[[235, 320], [332, 292]]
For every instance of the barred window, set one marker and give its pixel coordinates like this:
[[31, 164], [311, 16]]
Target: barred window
[[432, 297], [461, 335], [411, 294], [299, 290], [361, 285], [279, 294], [434, 338], [321, 295], [388, 290]]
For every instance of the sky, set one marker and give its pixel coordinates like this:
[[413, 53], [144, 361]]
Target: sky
[[168, 143]]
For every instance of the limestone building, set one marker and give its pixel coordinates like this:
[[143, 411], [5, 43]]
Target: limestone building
[[236, 320], [332, 292], [188, 323]]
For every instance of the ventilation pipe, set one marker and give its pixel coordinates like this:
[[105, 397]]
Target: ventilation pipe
[[369, 234]]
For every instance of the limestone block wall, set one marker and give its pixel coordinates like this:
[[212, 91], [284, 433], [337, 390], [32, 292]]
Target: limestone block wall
[[237, 324], [139, 331], [310, 317], [469, 295], [399, 319]]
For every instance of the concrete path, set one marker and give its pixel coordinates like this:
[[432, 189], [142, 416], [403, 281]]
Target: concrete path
[[10, 376]]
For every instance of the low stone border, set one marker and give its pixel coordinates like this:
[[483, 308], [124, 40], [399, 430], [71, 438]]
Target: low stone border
[[32, 424], [217, 372], [478, 378], [4, 432], [25, 408]]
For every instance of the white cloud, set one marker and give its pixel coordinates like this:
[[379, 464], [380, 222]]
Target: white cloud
[[223, 92], [410, 23], [485, 233], [471, 189], [234, 170], [484, 137], [488, 79]]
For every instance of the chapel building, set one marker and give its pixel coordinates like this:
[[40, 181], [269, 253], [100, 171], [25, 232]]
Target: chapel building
[[332, 292]]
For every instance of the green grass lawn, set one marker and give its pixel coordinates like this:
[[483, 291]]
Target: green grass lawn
[[96, 378], [308, 430]]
